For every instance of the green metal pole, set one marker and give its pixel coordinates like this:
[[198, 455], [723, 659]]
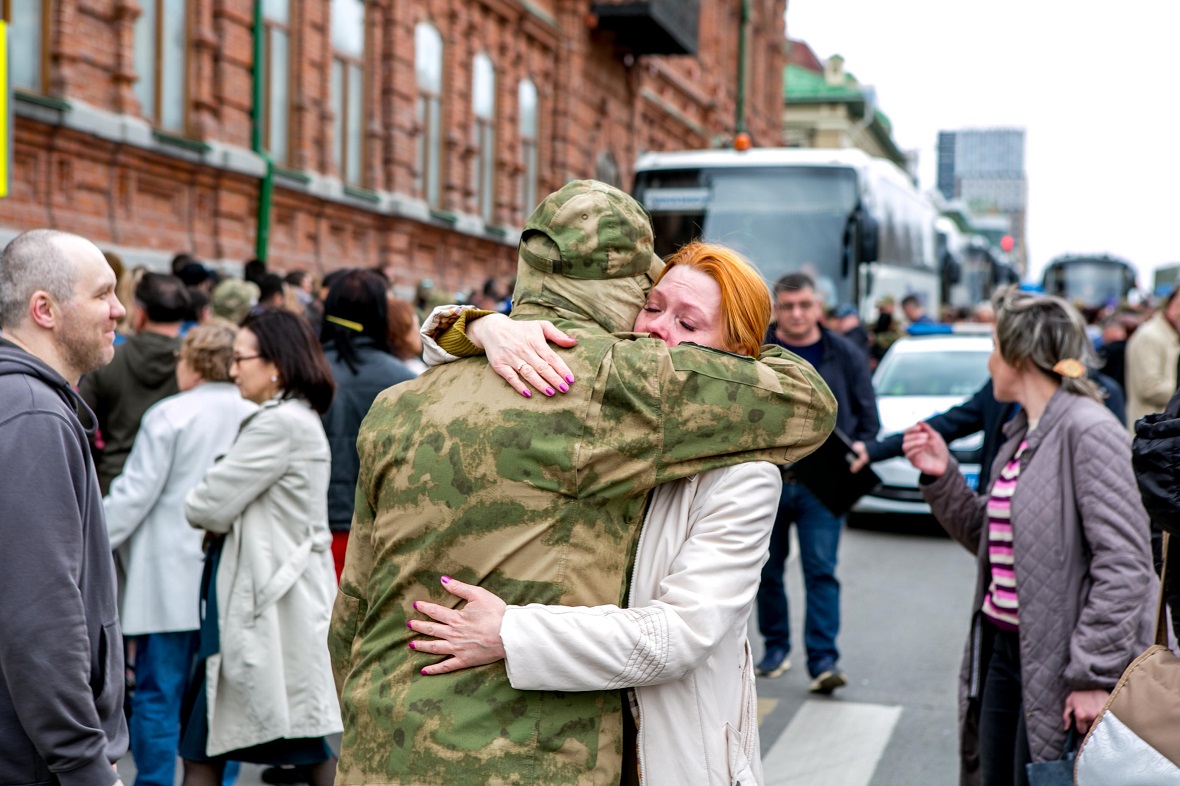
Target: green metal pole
[[740, 122], [267, 186]]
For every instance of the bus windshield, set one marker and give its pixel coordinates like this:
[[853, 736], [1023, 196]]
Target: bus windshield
[[1088, 281], [783, 219]]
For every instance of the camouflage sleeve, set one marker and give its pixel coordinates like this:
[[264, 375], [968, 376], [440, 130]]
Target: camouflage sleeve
[[718, 409], [352, 600]]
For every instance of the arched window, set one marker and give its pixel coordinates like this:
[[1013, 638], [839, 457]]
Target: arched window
[[428, 70], [276, 78], [28, 42], [161, 46], [527, 99], [483, 105], [348, 88]]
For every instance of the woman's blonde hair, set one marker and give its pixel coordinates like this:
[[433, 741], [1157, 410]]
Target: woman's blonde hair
[[1043, 331], [745, 298], [209, 349]]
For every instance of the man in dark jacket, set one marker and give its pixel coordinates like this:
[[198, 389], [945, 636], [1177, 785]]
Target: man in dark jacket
[[845, 368], [142, 373], [61, 653], [983, 413]]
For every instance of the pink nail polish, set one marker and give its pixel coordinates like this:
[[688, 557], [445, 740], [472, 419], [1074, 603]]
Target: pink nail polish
[[423, 673], [446, 579], [415, 605], [526, 394], [548, 391], [412, 645], [563, 387], [570, 379], [410, 626]]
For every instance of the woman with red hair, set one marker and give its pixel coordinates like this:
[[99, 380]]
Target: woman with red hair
[[679, 645]]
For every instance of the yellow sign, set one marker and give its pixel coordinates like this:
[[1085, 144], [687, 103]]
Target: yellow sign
[[5, 112]]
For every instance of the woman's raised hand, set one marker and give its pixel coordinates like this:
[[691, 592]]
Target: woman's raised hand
[[519, 352], [470, 635], [926, 449]]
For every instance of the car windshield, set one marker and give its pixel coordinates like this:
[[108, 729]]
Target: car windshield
[[935, 373]]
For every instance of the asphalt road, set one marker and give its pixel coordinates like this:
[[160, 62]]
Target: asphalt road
[[906, 607], [906, 604]]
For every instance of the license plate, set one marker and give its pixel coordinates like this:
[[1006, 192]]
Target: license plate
[[972, 479]]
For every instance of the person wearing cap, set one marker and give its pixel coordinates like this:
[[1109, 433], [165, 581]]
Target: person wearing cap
[[886, 329], [1065, 591], [537, 501], [850, 326], [696, 566], [233, 299], [915, 312], [196, 276]]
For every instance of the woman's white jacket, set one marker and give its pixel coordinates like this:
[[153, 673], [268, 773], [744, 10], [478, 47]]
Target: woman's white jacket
[[682, 641], [159, 553], [275, 583]]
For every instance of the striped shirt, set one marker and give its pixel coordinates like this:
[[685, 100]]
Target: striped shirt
[[1000, 605]]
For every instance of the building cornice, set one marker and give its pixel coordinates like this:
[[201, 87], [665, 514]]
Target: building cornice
[[118, 129]]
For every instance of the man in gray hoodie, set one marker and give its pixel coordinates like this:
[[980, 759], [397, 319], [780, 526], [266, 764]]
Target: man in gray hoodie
[[61, 652]]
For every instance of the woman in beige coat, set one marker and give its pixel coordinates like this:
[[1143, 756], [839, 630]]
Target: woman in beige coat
[[265, 693], [1065, 591]]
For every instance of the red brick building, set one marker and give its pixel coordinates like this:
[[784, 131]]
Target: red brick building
[[414, 134]]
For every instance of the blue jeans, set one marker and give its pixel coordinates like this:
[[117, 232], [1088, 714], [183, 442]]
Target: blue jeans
[[162, 664], [819, 540]]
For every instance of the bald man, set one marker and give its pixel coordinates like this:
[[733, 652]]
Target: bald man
[[61, 653]]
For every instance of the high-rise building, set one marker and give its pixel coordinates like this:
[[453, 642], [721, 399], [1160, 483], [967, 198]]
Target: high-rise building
[[984, 169]]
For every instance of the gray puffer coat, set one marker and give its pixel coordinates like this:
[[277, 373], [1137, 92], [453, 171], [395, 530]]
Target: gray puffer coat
[[1084, 575]]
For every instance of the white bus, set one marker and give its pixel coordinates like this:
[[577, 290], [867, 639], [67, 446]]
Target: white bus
[[1090, 280], [856, 223]]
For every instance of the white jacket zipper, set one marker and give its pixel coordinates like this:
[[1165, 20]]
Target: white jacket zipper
[[630, 604]]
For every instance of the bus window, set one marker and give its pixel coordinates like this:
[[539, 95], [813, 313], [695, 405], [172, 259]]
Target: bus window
[[782, 219]]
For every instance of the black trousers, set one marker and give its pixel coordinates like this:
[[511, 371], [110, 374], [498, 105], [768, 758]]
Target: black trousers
[[1003, 739]]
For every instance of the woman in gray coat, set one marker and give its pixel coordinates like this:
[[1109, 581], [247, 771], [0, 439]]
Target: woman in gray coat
[[1065, 591], [263, 689]]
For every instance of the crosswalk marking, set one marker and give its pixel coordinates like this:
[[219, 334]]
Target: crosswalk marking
[[830, 743]]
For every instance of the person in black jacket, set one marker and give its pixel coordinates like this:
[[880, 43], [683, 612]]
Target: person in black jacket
[[355, 337], [983, 413], [845, 368]]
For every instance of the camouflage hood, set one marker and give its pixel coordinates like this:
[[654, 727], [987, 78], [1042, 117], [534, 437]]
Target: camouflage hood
[[586, 255]]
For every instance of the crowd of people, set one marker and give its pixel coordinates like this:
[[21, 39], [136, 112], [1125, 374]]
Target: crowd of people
[[239, 504]]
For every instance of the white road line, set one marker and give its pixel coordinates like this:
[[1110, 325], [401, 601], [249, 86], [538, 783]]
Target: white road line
[[830, 743]]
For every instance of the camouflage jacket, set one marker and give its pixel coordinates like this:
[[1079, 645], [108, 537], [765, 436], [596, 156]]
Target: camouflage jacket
[[539, 501]]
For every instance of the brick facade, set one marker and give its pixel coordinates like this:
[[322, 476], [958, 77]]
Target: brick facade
[[86, 161]]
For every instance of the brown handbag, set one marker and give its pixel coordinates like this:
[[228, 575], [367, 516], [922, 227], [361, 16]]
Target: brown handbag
[[1135, 740]]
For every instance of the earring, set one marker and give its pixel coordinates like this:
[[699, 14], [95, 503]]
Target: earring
[[274, 378]]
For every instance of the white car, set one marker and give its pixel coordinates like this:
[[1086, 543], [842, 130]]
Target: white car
[[922, 376]]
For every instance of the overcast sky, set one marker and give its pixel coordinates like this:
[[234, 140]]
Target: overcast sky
[[1095, 84]]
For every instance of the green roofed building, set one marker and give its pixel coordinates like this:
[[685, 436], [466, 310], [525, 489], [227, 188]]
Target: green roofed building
[[826, 107]]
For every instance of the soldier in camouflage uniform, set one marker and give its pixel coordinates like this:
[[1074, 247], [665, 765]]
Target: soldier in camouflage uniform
[[536, 501]]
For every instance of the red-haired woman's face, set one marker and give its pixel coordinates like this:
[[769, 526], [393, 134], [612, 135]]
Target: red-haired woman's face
[[684, 306]]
